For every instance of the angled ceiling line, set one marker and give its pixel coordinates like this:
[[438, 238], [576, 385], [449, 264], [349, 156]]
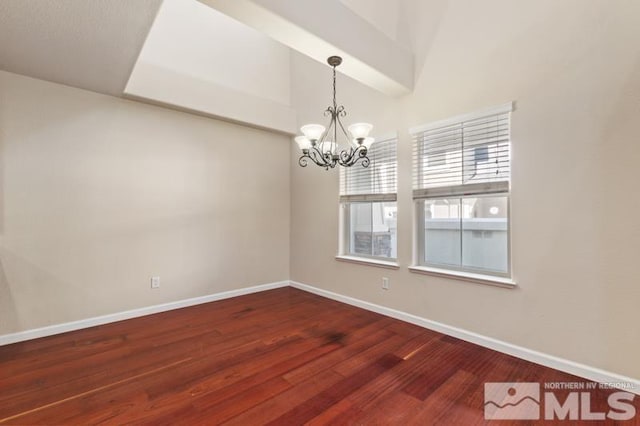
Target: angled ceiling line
[[370, 57]]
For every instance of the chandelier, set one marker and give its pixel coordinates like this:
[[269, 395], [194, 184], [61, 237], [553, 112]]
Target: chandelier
[[320, 144]]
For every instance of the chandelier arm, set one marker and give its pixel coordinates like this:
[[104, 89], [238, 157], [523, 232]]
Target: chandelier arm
[[328, 112], [344, 132], [351, 157], [345, 157], [322, 160], [316, 156]]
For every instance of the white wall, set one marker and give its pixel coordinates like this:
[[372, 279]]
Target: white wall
[[573, 68], [98, 194]]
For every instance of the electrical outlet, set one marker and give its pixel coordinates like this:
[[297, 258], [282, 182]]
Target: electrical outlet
[[155, 282], [385, 283]]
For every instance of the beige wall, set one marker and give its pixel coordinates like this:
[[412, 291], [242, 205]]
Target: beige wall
[[573, 68], [98, 194]]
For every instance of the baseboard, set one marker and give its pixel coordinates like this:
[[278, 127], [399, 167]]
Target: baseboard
[[35, 333], [577, 369]]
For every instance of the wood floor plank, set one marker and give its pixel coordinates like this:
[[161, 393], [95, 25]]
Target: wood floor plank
[[383, 348], [428, 358], [341, 414], [395, 409], [444, 407], [326, 363], [314, 406], [282, 357], [270, 409], [225, 408]]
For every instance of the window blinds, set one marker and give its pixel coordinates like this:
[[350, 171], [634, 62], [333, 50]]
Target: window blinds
[[378, 182], [464, 155]]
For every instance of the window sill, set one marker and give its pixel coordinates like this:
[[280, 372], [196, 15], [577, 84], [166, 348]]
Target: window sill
[[465, 276], [367, 261]]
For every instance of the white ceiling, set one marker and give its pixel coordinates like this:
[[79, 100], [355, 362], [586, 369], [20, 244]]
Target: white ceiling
[[90, 44], [185, 54], [198, 59], [370, 56], [195, 40], [381, 14]]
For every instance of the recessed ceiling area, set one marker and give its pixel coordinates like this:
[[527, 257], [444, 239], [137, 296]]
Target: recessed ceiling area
[[198, 59], [322, 29], [225, 59], [190, 38]]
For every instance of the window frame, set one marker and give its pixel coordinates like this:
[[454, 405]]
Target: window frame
[[345, 203], [421, 194]]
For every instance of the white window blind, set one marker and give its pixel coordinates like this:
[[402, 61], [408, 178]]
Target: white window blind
[[464, 155], [378, 182]]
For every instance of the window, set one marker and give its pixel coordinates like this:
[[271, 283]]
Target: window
[[462, 203], [368, 205]]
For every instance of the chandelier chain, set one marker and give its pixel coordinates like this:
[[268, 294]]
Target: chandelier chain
[[334, 88]]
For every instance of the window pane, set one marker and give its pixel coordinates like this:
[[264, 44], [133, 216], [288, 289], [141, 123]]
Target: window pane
[[390, 221], [373, 230], [360, 229], [442, 232], [485, 234]]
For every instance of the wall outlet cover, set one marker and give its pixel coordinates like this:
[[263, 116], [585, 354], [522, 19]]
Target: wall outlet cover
[[155, 282]]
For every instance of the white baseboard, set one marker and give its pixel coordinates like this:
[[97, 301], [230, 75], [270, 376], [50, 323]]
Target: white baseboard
[[577, 369], [581, 370], [35, 333]]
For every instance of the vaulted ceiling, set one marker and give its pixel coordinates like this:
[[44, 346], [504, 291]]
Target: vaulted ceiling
[[223, 58]]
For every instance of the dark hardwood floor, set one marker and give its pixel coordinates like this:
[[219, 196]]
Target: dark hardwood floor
[[281, 357]]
